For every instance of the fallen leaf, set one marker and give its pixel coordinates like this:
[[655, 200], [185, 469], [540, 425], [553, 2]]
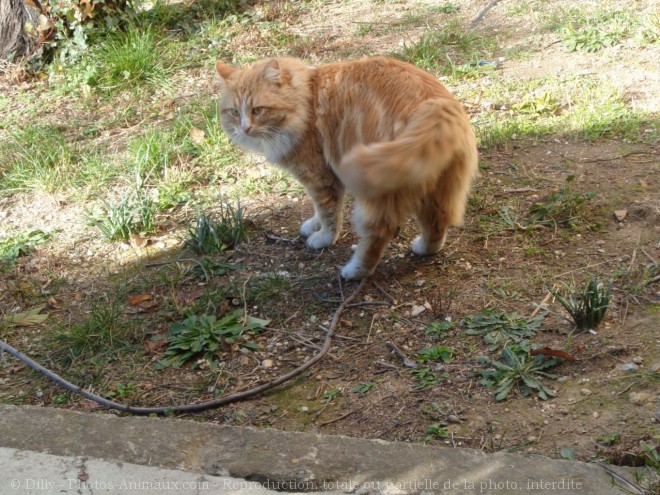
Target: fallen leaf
[[135, 300], [154, 346], [197, 135], [192, 296], [148, 304], [28, 318], [138, 242], [547, 351]]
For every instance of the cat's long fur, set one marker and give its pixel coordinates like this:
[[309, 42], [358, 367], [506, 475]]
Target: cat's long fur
[[386, 131]]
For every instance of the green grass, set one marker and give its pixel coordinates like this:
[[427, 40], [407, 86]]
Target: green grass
[[593, 31], [136, 58], [445, 49], [13, 245], [43, 158], [210, 236], [574, 108], [104, 333]]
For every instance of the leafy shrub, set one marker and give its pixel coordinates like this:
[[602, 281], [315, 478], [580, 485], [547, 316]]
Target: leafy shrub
[[70, 24], [517, 367], [202, 337], [498, 328]]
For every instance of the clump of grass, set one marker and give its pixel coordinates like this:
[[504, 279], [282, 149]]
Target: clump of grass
[[130, 59], [105, 331], [41, 158], [597, 30], [562, 208], [36, 157], [16, 244], [131, 215], [432, 51], [587, 308], [210, 236]]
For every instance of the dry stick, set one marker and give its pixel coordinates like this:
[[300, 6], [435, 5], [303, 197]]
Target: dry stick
[[481, 15], [239, 396], [649, 256], [325, 423], [540, 305]]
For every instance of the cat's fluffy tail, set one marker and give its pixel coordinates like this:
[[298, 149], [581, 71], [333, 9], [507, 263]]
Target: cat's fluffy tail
[[437, 137]]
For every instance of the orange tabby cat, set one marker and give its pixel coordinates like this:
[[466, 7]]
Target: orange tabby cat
[[386, 131]]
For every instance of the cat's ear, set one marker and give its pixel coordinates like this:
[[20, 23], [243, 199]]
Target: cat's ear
[[224, 70], [273, 72]]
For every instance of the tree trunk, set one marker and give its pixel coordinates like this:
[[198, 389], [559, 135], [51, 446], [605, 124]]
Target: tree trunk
[[13, 42]]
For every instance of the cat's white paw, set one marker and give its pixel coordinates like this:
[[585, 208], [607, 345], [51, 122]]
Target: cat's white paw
[[422, 248], [310, 226], [321, 239], [354, 270]]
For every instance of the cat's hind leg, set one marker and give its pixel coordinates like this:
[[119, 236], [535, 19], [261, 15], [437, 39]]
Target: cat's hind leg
[[434, 223], [375, 233], [441, 208]]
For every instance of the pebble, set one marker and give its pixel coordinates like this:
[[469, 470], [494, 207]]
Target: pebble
[[637, 360], [655, 368], [596, 414], [417, 310], [586, 392], [629, 367], [452, 418], [620, 215], [267, 363]]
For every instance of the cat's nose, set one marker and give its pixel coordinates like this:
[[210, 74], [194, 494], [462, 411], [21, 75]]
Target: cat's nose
[[246, 129]]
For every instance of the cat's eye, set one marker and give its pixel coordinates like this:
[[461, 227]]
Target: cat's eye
[[257, 110], [234, 112]]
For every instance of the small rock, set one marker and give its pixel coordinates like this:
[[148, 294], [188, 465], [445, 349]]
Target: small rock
[[417, 310], [563, 411], [655, 368], [639, 398], [586, 392], [267, 363], [637, 360], [596, 414], [452, 418], [620, 215], [628, 367]]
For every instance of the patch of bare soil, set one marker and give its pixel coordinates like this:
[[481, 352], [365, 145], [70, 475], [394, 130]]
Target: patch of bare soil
[[363, 387]]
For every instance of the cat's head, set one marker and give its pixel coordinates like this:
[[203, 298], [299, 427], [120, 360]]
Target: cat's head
[[265, 107]]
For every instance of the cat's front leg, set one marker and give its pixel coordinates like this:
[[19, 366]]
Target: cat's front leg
[[323, 228]]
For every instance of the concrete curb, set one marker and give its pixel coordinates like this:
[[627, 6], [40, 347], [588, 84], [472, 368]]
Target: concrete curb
[[286, 461]]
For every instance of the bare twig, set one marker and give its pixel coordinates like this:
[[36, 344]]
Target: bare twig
[[239, 396], [481, 15], [406, 362], [330, 421]]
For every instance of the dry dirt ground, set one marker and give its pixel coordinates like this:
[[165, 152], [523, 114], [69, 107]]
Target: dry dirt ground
[[363, 388]]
